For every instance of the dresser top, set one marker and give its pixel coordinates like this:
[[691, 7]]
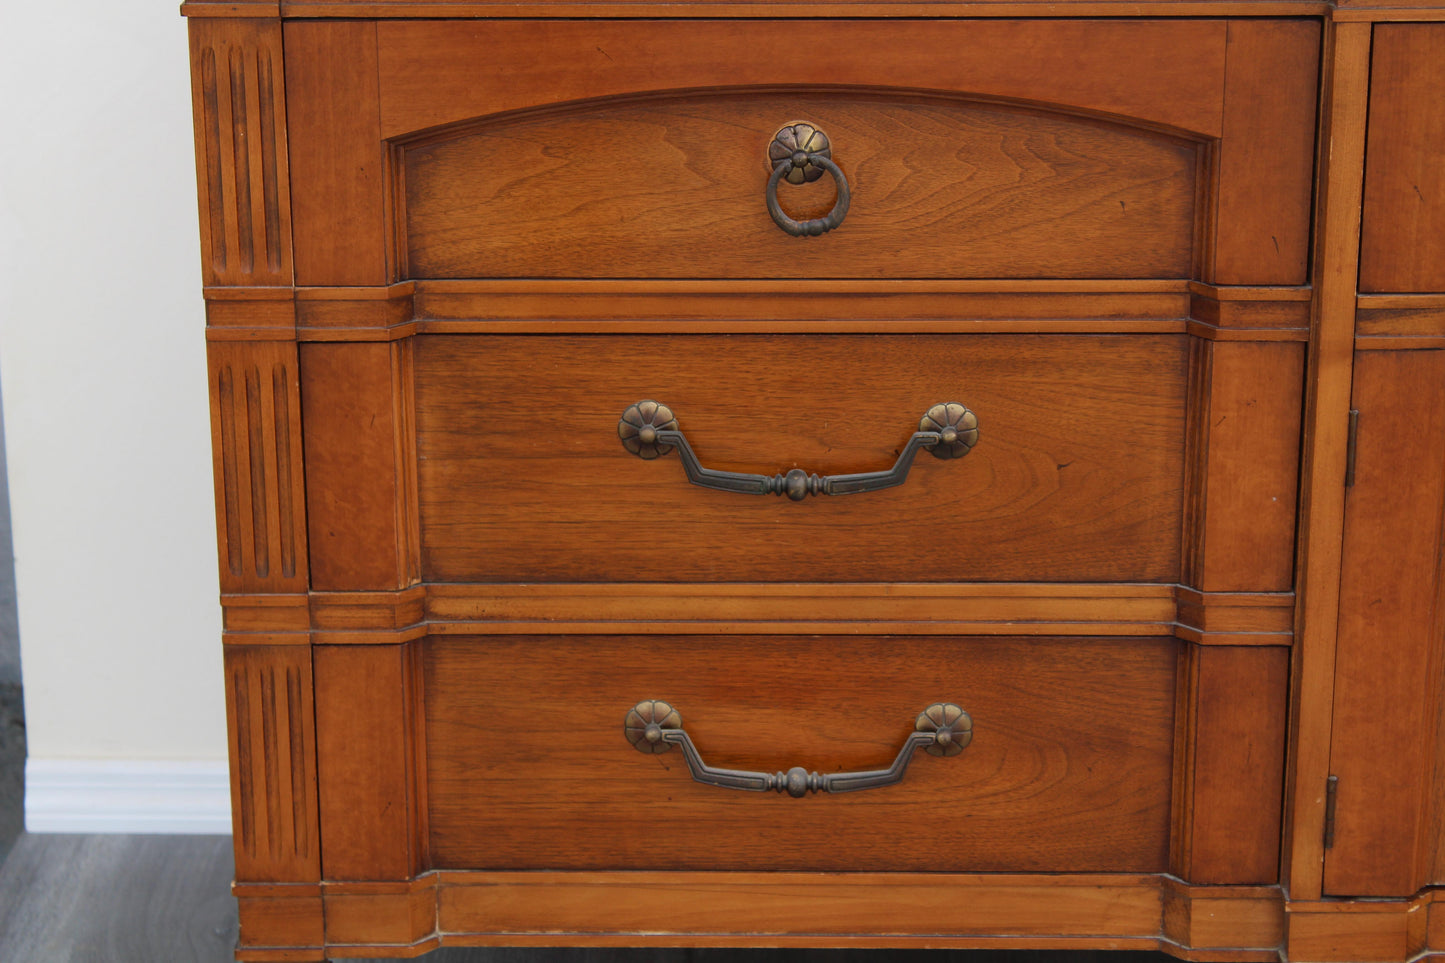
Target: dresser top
[[756, 9]]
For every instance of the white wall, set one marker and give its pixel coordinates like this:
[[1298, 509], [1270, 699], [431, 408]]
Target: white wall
[[102, 365]]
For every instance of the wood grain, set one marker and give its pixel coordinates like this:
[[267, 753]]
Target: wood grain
[[250, 313], [382, 913], [1201, 917], [239, 103], [337, 157], [1077, 476], [1401, 246], [256, 447], [1266, 157], [279, 922], [370, 769], [1322, 471], [1068, 769], [1244, 438], [1389, 651], [1230, 746], [1157, 72], [940, 189], [1356, 932], [360, 465]]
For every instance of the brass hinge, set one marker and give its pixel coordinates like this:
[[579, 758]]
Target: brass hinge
[[1350, 445], [1331, 792]]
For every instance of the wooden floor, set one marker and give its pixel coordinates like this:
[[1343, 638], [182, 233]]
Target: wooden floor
[[166, 899]]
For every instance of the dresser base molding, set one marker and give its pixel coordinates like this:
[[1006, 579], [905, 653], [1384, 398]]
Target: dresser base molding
[[914, 910], [1366, 931]]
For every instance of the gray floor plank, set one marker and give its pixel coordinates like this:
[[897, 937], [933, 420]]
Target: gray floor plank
[[84, 899]]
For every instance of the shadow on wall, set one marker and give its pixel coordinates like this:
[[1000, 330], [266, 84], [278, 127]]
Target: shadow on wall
[[12, 712]]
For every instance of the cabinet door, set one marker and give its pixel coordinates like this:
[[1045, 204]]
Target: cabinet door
[[1386, 751], [1386, 748]]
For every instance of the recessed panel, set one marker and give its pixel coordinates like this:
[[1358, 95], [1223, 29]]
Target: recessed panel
[[675, 187]]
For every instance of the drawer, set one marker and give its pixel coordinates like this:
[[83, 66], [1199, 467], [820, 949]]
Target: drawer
[[1069, 767], [1000, 149], [1077, 473]]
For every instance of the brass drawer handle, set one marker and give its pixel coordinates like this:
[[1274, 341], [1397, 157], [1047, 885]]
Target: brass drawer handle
[[943, 729], [800, 152], [648, 429]]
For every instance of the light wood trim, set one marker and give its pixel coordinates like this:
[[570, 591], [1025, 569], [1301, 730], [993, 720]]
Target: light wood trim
[[240, 8], [368, 914], [865, 909], [1234, 618], [1364, 931], [849, 305], [392, 312], [1204, 916], [918, 910], [1181, 8], [1105, 8], [1044, 609], [1337, 247], [280, 922], [1396, 321], [363, 618], [1386, 14]]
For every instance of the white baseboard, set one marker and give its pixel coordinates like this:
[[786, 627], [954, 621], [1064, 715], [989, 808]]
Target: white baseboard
[[126, 796]]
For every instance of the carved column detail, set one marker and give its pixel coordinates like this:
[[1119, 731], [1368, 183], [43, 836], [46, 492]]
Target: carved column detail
[[256, 442], [273, 763], [239, 105]]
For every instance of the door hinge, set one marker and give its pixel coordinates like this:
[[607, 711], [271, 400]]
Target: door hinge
[[1331, 794], [1350, 446]]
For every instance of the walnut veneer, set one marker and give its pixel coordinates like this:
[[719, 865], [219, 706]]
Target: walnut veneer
[[1193, 604]]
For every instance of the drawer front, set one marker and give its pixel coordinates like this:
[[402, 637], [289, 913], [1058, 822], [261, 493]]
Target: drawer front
[[675, 186], [1069, 767], [1077, 474]]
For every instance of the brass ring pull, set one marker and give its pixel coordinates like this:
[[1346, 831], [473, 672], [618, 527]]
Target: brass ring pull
[[648, 430], [943, 729], [800, 152]]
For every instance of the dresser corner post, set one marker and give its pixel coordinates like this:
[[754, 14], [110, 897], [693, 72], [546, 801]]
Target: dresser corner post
[[274, 813]]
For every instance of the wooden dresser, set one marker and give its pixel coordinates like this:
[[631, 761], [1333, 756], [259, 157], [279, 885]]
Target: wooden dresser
[[840, 474]]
